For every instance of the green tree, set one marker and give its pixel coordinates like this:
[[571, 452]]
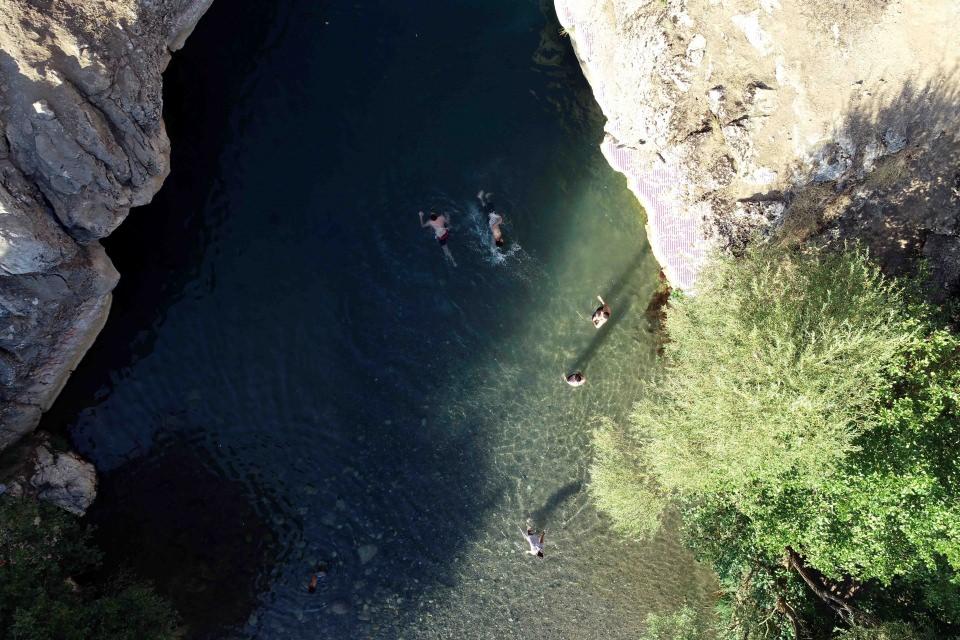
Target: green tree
[[810, 407], [886, 631], [772, 370], [45, 558]]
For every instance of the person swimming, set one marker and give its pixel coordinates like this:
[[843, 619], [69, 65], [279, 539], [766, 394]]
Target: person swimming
[[440, 223], [602, 314], [535, 541], [319, 572], [575, 379], [494, 219]]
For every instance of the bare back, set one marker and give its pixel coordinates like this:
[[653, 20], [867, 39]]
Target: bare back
[[439, 225]]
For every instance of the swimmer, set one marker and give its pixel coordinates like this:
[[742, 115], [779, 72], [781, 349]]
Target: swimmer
[[575, 379], [602, 314], [319, 572], [494, 219], [535, 542], [440, 223]]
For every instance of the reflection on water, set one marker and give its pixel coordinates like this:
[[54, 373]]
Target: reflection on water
[[310, 382]]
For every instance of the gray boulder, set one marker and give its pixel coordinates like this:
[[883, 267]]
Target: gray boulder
[[83, 141]]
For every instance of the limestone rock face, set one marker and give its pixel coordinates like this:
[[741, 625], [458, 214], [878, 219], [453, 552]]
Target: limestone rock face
[[808, 118], [83, 141]]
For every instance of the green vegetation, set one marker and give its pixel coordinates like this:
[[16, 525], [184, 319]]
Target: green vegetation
[[806, 422], [683, 624], [46, 559]]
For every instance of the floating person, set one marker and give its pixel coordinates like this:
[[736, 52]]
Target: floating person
[[535, 542], [494, 219], [440, 223], [575, 379], [602, 314], [319, 572]]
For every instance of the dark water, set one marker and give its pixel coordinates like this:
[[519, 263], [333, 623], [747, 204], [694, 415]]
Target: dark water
[[291, 373]]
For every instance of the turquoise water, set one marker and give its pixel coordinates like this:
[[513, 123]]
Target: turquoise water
[[292, 374]]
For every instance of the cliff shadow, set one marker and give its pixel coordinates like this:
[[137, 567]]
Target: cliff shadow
[[177, 519]]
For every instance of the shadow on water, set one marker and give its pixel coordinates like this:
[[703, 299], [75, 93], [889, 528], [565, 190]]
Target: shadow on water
[[542, 516], [159, 249], [620, 303], [178, 520]]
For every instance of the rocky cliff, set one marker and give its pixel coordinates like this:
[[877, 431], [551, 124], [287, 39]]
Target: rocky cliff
[[795, 119], [83, 142]]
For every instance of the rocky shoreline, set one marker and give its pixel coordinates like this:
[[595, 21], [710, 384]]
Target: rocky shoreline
[[778, 118], [84, 141]]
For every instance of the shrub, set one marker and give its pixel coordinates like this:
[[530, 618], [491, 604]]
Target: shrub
[[45, 556]]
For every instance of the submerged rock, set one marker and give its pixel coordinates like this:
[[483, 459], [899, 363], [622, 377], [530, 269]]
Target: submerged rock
[[340, 607], [367, 552]]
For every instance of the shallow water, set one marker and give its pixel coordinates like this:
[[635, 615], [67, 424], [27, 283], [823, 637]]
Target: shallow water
[[292, 373]]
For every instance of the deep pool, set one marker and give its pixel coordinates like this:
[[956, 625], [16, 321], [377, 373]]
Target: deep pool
[[291, 373]]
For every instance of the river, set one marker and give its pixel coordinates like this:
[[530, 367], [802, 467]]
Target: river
[[292, 374]]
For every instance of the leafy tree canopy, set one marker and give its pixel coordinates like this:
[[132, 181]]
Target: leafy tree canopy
[[805, 402], [45, 556]]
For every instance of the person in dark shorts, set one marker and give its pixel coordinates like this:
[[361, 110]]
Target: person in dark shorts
[[319, 572], [576, 379], [602, 314], [440, 223], [494, 219]]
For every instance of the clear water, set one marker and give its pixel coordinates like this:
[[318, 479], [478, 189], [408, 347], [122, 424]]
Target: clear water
[[293, 374]]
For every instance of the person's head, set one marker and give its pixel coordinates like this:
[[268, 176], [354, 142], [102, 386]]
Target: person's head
[[500, 242], [606, 314], [433, 216], [539, 554]]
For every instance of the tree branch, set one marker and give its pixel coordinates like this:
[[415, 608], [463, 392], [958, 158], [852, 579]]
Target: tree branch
[[843, 608]]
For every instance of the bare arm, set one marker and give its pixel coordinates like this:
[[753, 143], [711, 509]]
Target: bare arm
[[422, 223], [542, 535]]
